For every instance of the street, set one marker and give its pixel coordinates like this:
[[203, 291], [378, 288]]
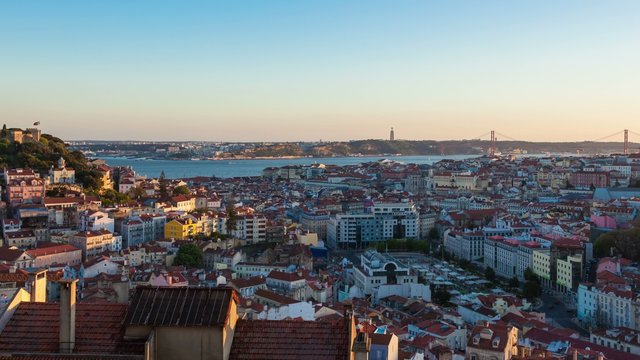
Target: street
[[557, 314]]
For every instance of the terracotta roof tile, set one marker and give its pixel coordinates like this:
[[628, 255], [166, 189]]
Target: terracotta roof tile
[[290, 339], [33, 328]]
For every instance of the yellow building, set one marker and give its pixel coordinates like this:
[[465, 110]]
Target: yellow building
[[180, 229]]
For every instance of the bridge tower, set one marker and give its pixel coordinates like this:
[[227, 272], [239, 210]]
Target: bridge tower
[[626, 141]]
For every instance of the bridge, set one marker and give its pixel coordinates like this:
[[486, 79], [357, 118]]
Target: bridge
[[493, 139]]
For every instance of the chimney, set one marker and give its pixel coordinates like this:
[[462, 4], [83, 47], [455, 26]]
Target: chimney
[[574, 354], [67, 315], [37, 285]]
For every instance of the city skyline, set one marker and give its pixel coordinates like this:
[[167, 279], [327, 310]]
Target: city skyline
[[282, 71]]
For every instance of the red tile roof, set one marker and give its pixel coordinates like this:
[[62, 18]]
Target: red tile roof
[[274, 297], [10, 254], [283, 276], [34, 328], [49, 250], [61, 200], [290, 339], [248, 282]]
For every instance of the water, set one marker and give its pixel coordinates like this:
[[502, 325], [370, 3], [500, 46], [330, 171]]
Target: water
[[234, 168]]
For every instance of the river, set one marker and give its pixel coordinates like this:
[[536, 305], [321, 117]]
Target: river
[[234, 168]]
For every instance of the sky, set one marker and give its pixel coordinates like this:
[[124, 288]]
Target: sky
[[305, 70]]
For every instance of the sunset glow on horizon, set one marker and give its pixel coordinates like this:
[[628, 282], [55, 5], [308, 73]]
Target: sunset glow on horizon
[[330, 70]]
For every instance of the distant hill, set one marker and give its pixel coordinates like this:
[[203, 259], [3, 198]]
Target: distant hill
[[424, 147], [371, 147], [45, 153]]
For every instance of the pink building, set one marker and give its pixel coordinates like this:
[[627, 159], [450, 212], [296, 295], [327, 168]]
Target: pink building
[[604, 221], [25, 191], [613, 265]]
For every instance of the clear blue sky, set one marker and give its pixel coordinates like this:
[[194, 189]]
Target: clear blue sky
[[331, 70]]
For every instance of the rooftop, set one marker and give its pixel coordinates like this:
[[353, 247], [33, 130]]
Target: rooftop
[[290, 339], [181, 306], [34, 328]]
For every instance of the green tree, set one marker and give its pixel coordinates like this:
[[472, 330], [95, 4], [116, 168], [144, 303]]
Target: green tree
[[232, 219], [111, 197], [628, 243], [181, 190], [433, 234], [163, 192], [440, 295], [604, 243], [490, 274], [189, 255], [137, 192], [514, 283], [529, 275], [90, 179], [532, 290]]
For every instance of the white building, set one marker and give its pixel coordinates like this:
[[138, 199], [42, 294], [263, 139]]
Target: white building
[[466, 245], [385, 221], [378, 269], [61, 174], [607, 306], [252, 228], [249, 269], [622, 339], [96, 220]]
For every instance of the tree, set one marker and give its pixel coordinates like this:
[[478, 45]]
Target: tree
[[440, 295], [111, 197], [628, 243], [232, 219], [181, 190], [604, 243], [529, 275], [532, 290], [433, 234], [137, 192], [514, 283], [189, 255], [490, 274], [164, 193], [624, 242]]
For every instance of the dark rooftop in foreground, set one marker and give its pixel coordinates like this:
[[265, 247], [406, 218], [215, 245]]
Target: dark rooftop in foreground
[[180, 306], [34, 328]]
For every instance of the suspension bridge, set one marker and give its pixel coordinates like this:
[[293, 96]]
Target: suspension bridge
[[492, 137]]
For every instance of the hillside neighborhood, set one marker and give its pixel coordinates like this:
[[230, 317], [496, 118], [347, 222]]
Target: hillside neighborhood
[[526, 257]]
